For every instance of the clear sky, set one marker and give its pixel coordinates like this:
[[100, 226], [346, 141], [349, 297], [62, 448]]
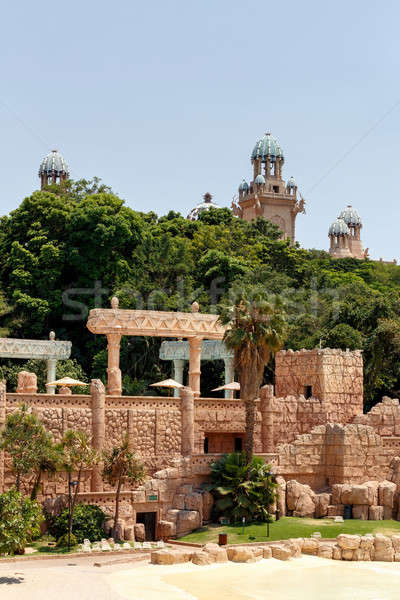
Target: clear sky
[[164, 101]]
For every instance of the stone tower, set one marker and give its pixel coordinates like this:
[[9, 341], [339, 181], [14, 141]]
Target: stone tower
[[344, 235], [268, 195], [53, 169]]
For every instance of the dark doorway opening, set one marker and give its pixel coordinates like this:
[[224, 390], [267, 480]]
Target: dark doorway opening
[[206, 445], [149, 521], [307, 391], [238, 444]]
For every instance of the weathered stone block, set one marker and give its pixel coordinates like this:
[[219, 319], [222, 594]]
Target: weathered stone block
[[240, 554], [360, 511], [139, 532], [348, 542], [280, 552], [375, 513]]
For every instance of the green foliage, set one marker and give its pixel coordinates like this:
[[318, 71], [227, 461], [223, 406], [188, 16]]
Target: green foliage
[[24, 437], [62, 240], [20, 520], [65, 368], [87, 523], [62, 541], [242, 489]]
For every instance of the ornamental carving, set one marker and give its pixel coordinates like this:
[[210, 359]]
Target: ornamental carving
[[40, 349], [210, 350]]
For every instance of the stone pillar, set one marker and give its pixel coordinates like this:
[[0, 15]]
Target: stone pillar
[[229, 375], [187, 421], [114, 380], [3, 399], [98, 394], [27, 383], [179, 365], [51, 374], [194, 364], [267, 418]]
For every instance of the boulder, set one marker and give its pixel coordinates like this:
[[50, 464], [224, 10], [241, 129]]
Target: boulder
[[129, 533], [337, 493], [280, 551], [219, 554], [169, 557], [267, 552], [336, 552], [281, 498], [347, 554], [325, 550], [240, 554], [310, 546], [387, 513], [194, 501], [322, 501], [300, 499], [295, 546], [383, 548], [387, 491], [372, 492], [187, 520], [346, 494], [166, 529], [359, 495], [335, 510], [139, 532], [367, 542], [202, 558], [396, 543], [360, 511], [375, 513], [348, 542]]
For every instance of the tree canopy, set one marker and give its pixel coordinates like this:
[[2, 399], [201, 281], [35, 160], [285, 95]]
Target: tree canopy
[[71, 247]]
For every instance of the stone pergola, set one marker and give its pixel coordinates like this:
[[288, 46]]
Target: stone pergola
[[115, 322], [49, 350], [179, 353]]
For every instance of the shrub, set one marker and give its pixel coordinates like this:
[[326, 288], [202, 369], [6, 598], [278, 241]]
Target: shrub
[[242, 489], [62, 541], [87, 523], [20, 520]]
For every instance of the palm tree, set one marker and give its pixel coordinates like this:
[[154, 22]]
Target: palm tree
[[256, 328], [121, 466], [49, 458]]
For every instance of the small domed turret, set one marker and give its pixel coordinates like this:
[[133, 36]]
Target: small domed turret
[[291, 183], [260, 179], [267, 146], [205, 205], [351, 217], [53, 167], [244, 186], [339, 227]]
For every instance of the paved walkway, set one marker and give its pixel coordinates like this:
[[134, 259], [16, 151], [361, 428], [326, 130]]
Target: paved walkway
[[62, 579]]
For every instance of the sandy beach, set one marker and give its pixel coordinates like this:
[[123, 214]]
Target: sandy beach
[[307, 578]]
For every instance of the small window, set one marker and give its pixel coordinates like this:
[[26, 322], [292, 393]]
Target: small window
[[308, 391], [276, 189], [238, 444], [206, 445]]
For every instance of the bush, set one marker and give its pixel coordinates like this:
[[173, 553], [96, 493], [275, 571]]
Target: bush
[[241, 489], [20, 520], [87, 523], [62, 541]]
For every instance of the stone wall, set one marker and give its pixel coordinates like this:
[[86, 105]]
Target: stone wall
[[334, 377]]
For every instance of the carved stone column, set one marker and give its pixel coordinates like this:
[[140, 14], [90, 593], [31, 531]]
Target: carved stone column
[[267, 418], [179, 365], [98, 394], [229, 375], [194, 364], [187, 421], [114, 379], [51, 374], [3, 399]]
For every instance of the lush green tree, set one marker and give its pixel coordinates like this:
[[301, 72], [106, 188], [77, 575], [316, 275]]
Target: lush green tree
[[23, 438], [87, 523], [241, 489], [65, 368], [20, 520], [256, 328], [121, 466]]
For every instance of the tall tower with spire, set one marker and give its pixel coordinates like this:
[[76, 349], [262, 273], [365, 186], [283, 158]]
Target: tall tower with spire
[[53, 169], [268, 195]]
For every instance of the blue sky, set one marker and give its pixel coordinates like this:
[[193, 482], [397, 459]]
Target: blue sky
[[164, 101]]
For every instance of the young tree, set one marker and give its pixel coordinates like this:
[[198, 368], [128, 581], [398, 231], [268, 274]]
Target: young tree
[[49, 459], [78, 456], [23, 437], [121, 466], [20, 520], [256, 327]]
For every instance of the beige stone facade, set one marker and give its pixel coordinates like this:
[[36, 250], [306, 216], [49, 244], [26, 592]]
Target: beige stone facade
[[310, 429]]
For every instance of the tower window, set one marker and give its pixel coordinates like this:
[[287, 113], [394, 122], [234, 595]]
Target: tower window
[[276, 189], [307, 391]]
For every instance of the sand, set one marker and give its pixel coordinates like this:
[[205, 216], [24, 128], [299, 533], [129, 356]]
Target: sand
[[307, 578]]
